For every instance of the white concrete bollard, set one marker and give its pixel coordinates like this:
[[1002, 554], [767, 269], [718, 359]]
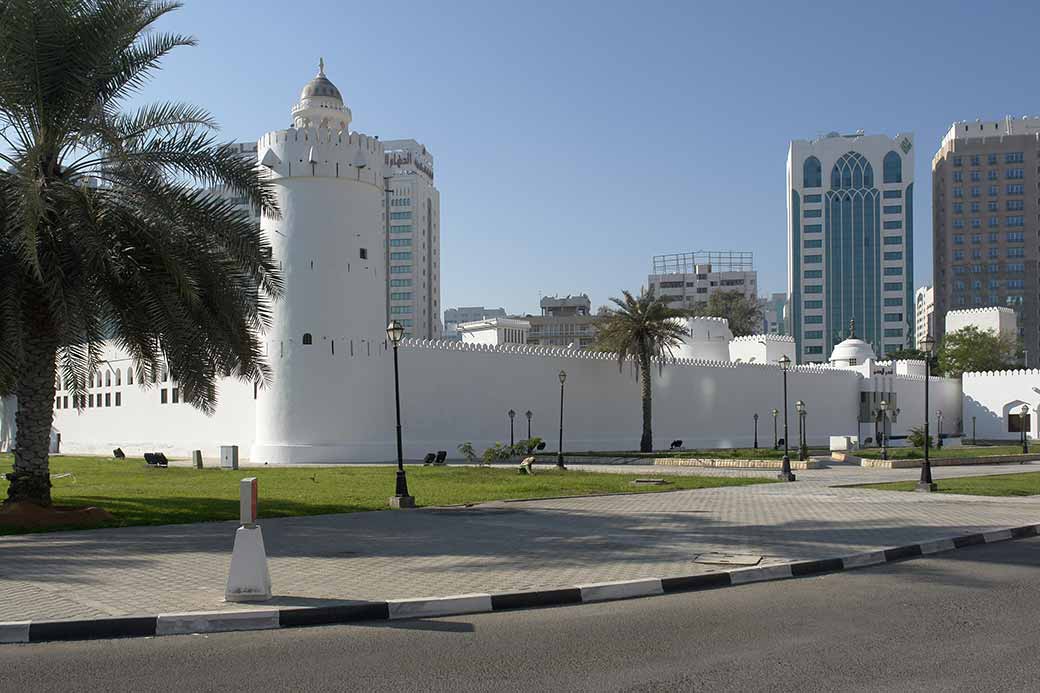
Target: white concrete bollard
[[248, 579], [229, 457]]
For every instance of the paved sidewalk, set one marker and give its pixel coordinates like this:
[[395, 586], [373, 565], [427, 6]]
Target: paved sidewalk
[[495, 547]]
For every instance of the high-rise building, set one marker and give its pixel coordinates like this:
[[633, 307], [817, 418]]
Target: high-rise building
[[413, 262], [688, 279], [453, 317], [924, 315], [985, 221], [564, 321], [774, 312], [850, 241]]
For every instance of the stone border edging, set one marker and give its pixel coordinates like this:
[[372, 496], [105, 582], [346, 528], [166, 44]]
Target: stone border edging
[[349, 612]]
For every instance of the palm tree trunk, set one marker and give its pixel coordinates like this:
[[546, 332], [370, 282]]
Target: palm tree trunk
[[646, 443], [30, 480]]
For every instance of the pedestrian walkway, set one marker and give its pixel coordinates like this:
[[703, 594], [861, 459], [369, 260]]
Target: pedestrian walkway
[[494, 547]]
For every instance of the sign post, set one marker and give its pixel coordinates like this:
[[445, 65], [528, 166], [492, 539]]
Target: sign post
[[248, 579]]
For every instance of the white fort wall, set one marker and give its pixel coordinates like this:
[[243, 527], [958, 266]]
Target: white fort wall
[[991, 396]]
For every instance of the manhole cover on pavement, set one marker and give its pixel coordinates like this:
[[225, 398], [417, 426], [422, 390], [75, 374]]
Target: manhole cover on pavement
[[728, 559]]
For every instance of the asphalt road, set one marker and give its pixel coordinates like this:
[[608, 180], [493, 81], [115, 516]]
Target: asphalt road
[[963, 621]]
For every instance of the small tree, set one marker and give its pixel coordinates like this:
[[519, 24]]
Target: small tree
[[744, 314], [467, 452], [971, 349]]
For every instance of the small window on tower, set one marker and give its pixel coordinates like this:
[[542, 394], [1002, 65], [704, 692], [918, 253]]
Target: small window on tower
[[364, 253], [307, 339]]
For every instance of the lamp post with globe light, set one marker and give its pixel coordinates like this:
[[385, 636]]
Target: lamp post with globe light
[[776, 439], [884, 429], [512, 415], [756, 430], [785, 468], [401, 498], [559, 450], [528, 414], [1024, 425], [926, 484]]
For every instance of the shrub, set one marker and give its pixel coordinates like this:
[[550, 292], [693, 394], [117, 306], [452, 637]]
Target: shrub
[[916, 437], [497, 453], [468, 453]]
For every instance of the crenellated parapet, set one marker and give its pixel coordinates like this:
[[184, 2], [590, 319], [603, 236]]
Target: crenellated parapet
[[322, 153]]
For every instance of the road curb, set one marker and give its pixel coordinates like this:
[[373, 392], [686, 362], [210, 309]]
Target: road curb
[[458, 605]]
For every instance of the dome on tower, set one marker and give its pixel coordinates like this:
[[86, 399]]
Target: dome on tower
[[320, 86], [852, 351], [321, 104]]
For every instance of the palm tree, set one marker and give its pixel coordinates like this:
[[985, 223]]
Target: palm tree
[[106, 228], [644, 329]]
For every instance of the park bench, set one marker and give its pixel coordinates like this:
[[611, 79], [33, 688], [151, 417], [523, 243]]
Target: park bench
[[428, 460], [442, 455], [156, 460]]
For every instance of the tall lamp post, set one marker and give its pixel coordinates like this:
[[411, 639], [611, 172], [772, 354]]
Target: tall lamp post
[[776, 440], [799, 407], [805, 433], [1024, 425], [528, 414], [756, 430], [512, 415], [785, 467], [938, 432], [883, 407], [973, 442], [926, 484], [401, 498], [559, 450]]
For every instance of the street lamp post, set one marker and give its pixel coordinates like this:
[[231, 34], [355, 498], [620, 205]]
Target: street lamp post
[[1023, 426], [938, 432], [800, 408], [926, 484], [401, 498], [512, 415], [884, 429], [973, 441], [756, 430], [776, 440], [559, 450], [528, 414], [785, 467]]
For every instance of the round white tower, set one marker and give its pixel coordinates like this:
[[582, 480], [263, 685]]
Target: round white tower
[[708, 340], [329, 400]]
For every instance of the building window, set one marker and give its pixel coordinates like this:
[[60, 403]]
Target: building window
[[1015, 189], [813, 213], [810, 199], [814, 334], [893, 286], [894, 225], [894, 332], [400, 282], [892, 209], [400, 215], [401, 310], [401, 256], [175, 393], [893, 240], [896, 302], [812, 173], [401, 269], [893, 271], [813, 259], [307, 339], [401, 296], [892, 194], [119, 399], [163, 396], [401, 228], [363, 252], [1014, 157], [810, 305], [1016, 237], [108, 399], [1016, 252], [813, 319], [397, 242], [894, 255], [129, 376], [813, 243], [1017, 423], [893, 317], [814, 274], [812, 228], [814, 350], [1015, 173], [108, 378]]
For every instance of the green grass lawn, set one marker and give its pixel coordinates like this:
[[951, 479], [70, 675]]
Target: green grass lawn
[[762, 453], [1025, 484], [136, 495], [950, 452]]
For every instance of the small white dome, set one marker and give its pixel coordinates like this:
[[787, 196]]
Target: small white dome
[[852, 352]]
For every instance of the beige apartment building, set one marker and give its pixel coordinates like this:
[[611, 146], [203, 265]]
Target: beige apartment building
[[986, 221]]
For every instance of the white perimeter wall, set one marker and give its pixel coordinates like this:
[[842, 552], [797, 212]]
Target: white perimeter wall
[[989, 397], [452, 393]]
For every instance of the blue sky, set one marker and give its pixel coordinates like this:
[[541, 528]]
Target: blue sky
[[573, 141]]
